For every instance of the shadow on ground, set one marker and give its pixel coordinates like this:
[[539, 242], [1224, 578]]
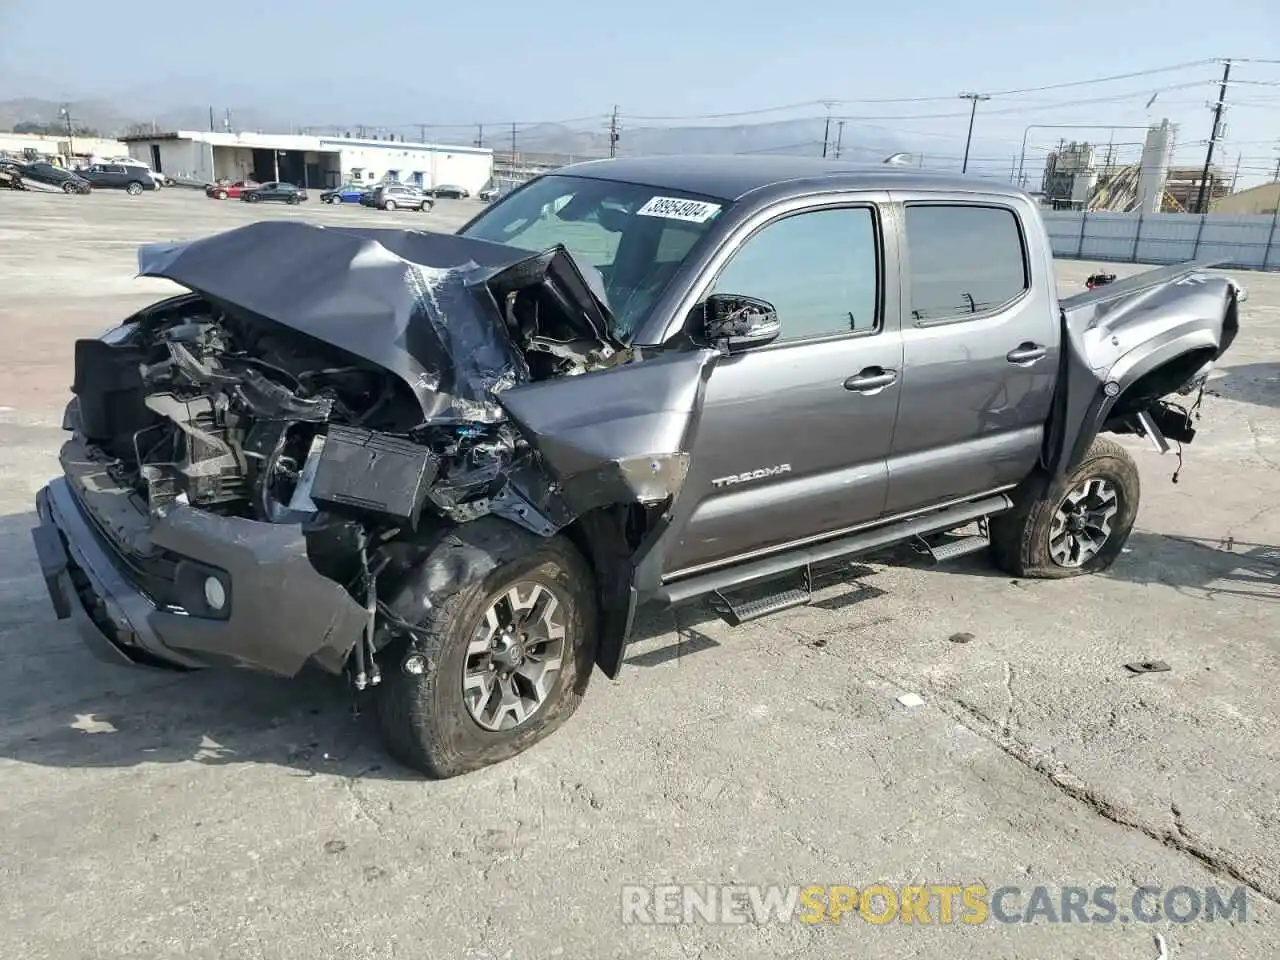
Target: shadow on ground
[[1256, 383]]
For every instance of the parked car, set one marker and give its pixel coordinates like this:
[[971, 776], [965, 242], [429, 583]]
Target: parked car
[[117, 176], [366, 196], [159, 178], [347, 193], [450, 192], [390, 196], [492, 193], [52, 175], [466, 484], [224, 190], [275, 191]]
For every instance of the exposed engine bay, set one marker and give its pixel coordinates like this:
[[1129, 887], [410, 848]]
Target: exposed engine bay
[[199, 405], [203, 402]]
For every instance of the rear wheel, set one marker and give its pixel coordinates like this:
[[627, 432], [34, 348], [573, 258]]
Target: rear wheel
[[1075, 526], [500, 665], [221, 194], [389, 205]]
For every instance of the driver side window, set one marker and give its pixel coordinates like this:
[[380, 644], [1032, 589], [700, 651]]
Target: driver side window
[[819, 269]]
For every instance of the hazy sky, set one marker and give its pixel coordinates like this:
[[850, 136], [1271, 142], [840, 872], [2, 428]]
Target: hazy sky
[[395, 61]]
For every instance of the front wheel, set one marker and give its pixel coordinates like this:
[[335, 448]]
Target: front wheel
[[221, 194], [1074, 526], [389, 205], [68, 188], [499, 665], [133, 189]]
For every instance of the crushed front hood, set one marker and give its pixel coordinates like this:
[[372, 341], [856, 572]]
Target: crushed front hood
[[423, 306]]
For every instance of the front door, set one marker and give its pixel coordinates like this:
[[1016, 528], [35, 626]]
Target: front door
[[794, 436]]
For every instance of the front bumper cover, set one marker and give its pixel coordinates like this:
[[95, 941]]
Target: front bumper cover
[[281, 612]]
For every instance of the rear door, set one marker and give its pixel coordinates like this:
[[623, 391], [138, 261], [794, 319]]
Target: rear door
[[980, 350], [794, 436]]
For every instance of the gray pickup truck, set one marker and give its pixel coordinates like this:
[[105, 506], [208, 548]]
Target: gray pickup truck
[[453, 466]]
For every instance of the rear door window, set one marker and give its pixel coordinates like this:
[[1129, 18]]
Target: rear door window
[[964, 259]]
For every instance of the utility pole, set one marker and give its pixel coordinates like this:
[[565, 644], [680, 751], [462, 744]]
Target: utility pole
[[480, 135], [71, 147], [211, 126], [1213, 137], [513, 144], [613, 132], [839, 137], [422, 133], [973, 98]]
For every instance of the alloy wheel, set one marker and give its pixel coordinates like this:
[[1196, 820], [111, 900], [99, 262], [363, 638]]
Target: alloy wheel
[[515, 656], [1081, 525]]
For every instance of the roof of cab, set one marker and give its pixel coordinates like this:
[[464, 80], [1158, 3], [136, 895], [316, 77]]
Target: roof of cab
[[732, 176]]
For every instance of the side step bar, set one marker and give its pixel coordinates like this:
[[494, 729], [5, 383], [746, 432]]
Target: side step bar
[[724, 579]]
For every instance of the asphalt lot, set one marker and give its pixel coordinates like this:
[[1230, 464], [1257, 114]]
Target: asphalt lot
[[231, 816]]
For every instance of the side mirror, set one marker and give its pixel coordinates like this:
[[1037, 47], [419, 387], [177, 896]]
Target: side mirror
[[732, 322]]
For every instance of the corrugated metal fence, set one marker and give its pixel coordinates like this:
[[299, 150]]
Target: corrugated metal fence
[[1249, 242]]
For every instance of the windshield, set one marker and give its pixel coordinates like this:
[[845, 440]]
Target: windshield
[[635, 236]]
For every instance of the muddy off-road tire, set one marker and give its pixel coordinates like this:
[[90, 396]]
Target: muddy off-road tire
[[426, 720], [1076, 526]]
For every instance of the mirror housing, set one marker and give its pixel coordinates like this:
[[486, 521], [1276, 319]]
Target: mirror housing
[[733, 322]]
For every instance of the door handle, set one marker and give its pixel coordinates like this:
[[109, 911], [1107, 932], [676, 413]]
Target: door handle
[[871, 380], [1026, 353]]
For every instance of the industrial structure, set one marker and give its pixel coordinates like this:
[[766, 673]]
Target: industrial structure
[[310, 161]]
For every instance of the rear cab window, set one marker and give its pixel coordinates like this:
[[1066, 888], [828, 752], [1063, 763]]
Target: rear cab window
[[964, 259]]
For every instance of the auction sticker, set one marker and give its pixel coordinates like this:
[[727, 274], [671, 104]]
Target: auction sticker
[[674, 208]]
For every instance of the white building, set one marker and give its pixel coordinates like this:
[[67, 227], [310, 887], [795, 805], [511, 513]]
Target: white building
[[59, 148], [311, 162]]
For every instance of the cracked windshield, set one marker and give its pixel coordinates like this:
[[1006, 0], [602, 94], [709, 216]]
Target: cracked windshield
[[636, 237]]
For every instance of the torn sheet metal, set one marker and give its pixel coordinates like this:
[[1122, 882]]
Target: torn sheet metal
[[616, 436], [421, 305]]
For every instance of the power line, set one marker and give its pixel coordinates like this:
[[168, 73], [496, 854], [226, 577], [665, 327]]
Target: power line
[[931, 99]]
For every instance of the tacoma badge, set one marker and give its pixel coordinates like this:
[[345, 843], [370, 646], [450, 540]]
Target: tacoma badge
[[760, 474]]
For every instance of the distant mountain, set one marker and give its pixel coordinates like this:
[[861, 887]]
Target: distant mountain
[[784, 136], [106, 119]]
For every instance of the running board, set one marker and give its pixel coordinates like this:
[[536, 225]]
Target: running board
[[737, 612], [718, 581], [958, 547]]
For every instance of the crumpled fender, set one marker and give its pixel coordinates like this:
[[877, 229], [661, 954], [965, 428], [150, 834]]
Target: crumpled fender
[[615, 436], [1118, 333]]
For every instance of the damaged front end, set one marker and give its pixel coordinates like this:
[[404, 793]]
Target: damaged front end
[[255, 465]]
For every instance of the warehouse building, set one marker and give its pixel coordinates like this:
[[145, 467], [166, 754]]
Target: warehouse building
[[309, 161]]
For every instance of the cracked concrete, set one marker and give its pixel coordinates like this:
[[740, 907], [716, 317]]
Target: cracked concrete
[[227, 815]]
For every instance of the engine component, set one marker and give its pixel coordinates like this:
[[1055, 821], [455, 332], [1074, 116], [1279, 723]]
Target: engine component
[[373, 473]]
